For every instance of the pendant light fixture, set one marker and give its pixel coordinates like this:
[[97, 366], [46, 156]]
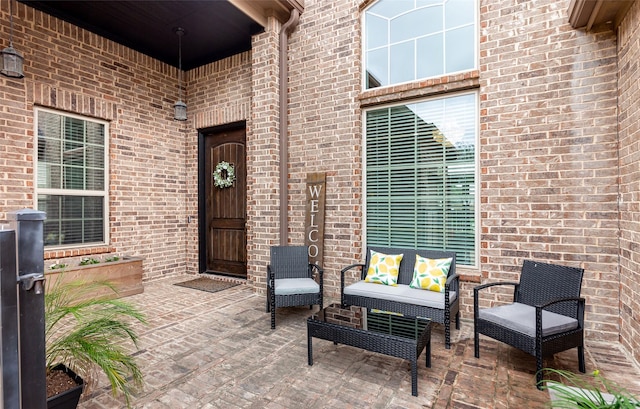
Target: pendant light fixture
[[12, 60], [180, 107]]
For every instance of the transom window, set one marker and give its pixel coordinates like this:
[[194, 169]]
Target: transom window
[[407, 40], [71, 178], [421, 175]]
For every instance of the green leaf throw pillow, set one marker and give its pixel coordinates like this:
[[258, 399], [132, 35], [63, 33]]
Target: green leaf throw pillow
[[430, 274], [383, 268]]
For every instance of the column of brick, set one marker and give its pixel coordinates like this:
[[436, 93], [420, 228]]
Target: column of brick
[[263, 155], [629, 105]]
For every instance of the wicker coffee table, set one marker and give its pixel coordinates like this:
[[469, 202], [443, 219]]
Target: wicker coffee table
[[388, 334]]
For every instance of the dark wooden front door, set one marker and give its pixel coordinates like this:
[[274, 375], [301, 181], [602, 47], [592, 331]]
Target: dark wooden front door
[[225, 207]]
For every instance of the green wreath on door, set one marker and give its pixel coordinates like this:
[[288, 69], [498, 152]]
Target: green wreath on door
[[224, 175]]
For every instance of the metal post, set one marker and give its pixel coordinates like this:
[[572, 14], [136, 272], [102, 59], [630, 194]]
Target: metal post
[[29, 226], [9, 359]]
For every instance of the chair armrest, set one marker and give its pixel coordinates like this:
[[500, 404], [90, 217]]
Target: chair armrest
[[476, 292], [540, 308], [559, 300], [579, 300], [483, 286], [270, 276], [318, 271]]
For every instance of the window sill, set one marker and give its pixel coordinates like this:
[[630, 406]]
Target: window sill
[[420, 89]]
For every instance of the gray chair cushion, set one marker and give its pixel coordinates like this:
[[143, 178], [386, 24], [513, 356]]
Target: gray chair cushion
[[288, 286], [522, 318], [401, 293]]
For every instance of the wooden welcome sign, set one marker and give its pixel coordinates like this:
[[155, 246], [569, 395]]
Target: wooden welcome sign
[[314, 218]]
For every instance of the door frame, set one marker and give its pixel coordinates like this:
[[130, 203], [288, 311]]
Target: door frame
[[202, 262]]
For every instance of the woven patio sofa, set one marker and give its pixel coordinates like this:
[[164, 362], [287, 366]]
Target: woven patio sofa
[[401, 298]]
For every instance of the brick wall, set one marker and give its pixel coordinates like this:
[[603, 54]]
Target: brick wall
[[629, 101], [326, 129], [548, 159], [72, 70], [548, 154]]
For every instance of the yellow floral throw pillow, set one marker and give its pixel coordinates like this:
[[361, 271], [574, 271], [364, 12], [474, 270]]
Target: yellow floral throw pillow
[[430, 274], [383, 268]]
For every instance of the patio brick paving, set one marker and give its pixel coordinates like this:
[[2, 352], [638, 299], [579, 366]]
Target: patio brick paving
[[216, 350]]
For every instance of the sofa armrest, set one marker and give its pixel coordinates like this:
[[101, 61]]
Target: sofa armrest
[[351, 267], [342, 273], [452, 283]]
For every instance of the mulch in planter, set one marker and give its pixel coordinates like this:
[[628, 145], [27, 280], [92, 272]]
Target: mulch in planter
[[208, 284]]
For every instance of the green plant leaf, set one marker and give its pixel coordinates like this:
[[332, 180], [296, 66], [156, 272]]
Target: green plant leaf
[[86, 332]]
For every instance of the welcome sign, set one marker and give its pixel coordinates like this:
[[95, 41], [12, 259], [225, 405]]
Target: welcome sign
[[314, 218]]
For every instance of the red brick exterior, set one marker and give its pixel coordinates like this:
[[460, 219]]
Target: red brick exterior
[[629, 160], [548, 155], [558, 142]]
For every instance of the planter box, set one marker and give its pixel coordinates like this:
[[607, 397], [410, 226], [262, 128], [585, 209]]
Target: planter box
[[70, 398], [125, 275]]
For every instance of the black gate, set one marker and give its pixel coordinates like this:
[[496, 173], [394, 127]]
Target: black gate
[[22, 316]]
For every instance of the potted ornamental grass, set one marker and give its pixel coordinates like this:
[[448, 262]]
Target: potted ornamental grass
[[88, 332], [574, 392]]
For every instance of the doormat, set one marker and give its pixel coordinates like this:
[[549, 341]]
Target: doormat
[[207, 284]]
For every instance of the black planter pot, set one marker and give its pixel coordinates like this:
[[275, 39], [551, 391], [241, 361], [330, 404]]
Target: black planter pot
[[68, 399]]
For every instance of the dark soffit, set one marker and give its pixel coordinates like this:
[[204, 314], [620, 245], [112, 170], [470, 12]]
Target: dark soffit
[[215, 29]]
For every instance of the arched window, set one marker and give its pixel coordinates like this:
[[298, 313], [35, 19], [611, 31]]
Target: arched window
[[408, 40]]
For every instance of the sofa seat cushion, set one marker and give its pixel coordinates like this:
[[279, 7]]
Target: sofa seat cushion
[[401, 293], [522, 318], [289, 286]]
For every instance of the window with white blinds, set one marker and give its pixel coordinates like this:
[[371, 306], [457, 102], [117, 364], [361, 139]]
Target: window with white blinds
[[421, 175], [71, 185]]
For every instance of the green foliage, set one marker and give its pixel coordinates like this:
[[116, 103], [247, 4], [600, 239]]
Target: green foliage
[[574, 392], [110, 259], [87, 332], [57, 266], [89, 260]]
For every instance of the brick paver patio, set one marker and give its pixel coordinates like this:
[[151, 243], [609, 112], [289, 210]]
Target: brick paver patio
[[216, 350]]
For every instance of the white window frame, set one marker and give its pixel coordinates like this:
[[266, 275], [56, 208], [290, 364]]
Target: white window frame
[[390, 84], [73, 192], [477, 230]]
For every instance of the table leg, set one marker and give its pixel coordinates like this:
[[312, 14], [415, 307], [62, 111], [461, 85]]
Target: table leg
[[427, 351], [414, 378], [309, 347]]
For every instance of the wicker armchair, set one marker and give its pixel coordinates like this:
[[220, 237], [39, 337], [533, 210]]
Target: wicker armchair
[[546, 316], [290, 280]]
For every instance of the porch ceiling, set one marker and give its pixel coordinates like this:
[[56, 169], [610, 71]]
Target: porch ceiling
[[215, 29]]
